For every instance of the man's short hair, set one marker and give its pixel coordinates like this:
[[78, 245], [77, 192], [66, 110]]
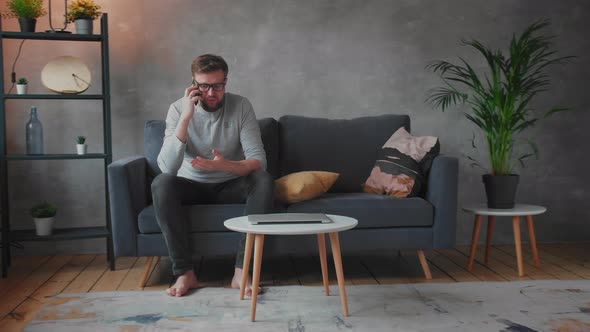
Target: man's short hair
[[208, 63]]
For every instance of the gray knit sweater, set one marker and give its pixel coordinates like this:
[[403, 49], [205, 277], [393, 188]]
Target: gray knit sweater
[[232, 130]]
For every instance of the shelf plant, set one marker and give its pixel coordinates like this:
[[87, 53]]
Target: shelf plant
[[81, 145], [27, 12], [82, 13], [44, 217], [499, 100], [21, 86]]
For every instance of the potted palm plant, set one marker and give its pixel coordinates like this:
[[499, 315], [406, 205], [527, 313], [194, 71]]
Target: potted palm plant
[[44, 218], [82, 13], [27, 12], [499, 101]]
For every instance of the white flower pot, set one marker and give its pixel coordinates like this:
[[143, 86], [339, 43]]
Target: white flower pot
[[81, 148], [21, 89], [44, 226]]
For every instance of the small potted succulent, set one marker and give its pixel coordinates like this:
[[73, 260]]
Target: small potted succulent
[[81, 146], [27, 12], [82, 13], [44, 217], [21, 86]]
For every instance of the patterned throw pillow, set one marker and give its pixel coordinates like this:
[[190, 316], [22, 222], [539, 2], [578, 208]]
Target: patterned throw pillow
[[302, 186], [402, 165]]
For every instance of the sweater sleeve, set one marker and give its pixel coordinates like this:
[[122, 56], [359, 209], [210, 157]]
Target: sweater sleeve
[[250, 135], [172, 153]]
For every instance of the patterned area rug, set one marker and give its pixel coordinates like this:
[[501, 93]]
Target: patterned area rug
[[471, 306]]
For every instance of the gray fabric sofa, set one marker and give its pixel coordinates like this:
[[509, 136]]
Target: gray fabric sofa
[[292, 144]]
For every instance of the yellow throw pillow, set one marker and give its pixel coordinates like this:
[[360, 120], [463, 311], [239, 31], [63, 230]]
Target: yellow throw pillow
[[301, 186]]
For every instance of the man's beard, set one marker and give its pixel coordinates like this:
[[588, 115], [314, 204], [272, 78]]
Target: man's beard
[[215, 107]]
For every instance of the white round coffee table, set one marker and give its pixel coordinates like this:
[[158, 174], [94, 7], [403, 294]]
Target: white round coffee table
[[255, 233], [519, 210]]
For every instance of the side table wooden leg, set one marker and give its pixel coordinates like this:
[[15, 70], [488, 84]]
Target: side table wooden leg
[[324, 262], [424, 264], [335, 242], [517, 243], [246, 266], [259, 243], [531, 229], [489, 237], [474, 241]]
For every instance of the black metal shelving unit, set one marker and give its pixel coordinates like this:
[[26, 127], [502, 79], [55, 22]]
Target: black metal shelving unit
[[10, 236]]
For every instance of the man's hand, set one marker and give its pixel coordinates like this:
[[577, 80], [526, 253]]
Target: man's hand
[[191, 97], [218, 163]]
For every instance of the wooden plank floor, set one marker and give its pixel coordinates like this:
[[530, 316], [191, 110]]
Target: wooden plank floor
[[32, 281]]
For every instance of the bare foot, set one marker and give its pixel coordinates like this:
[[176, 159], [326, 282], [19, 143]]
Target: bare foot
[[184, 282], [236, 281]]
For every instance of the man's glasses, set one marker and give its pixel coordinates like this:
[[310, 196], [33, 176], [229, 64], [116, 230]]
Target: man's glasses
[[204, 87]]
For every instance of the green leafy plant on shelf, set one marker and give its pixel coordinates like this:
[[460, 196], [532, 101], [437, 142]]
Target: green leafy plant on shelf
[[22, 80], [83, 9], [499, 100], [24, 9], [81, 139], [43, 210]]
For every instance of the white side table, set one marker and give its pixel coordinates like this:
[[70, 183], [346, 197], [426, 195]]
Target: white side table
[[519, 210], [257, 232]]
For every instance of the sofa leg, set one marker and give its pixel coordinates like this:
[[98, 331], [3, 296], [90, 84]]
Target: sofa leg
[[146, 270], [424, 264]]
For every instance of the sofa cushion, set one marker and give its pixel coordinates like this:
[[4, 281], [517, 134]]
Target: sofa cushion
[[203, 217], [371, 210], [348, 147], [398, 171], [269, 131], [302, 186], [154, 138]]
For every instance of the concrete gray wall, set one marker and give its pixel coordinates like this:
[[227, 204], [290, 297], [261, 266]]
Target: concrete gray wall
[[326, 58]]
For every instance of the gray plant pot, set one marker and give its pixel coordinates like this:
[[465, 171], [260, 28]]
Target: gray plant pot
[[501, 190], [27, 24], [83, 26]]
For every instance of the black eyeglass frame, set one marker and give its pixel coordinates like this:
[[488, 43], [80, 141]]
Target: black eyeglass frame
[[204, 87]]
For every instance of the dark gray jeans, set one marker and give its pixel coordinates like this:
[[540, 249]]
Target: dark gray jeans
[[171, 192]]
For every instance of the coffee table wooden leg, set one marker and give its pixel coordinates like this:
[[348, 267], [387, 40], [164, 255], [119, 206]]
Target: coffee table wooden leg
[[246, 266], [474, 241], [335, 243], [324, 262], [424, 264], [258, 245], [529, 223], [489, 237], [517, 243]]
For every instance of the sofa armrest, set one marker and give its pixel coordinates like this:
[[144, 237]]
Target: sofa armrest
[[442, 193], [128, 196]]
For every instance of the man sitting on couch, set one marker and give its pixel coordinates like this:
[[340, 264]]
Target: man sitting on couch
[[212, 153]]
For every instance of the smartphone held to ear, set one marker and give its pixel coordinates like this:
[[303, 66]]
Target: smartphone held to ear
[[194, 83]]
